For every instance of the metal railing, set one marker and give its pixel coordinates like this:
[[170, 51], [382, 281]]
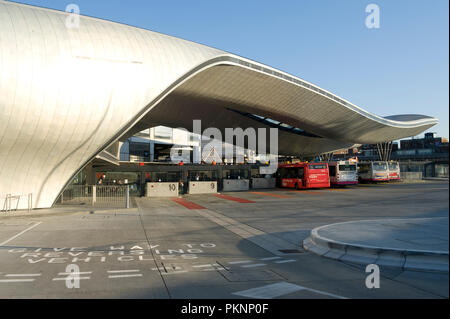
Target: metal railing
[[11, 202], [96, 195]]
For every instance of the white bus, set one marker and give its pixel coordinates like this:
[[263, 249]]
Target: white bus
[[373, 171], [394, 171], [343, 173]]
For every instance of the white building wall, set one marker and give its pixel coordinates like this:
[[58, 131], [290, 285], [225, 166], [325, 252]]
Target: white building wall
[[65, 92]]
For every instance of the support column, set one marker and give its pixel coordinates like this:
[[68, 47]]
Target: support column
[[90, 175], [384, 150], [152, 151]]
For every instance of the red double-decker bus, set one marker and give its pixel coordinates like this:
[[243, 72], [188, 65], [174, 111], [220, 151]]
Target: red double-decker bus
[[304, 175]]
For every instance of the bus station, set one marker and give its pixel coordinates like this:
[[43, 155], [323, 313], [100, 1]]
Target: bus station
[[178, 170]]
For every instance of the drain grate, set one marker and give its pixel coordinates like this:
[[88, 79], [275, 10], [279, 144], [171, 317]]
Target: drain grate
[[290, 251]]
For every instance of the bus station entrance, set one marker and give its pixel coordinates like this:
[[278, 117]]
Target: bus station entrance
[[137, 175]]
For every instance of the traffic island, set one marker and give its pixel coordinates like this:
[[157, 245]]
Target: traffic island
[[419, 244]]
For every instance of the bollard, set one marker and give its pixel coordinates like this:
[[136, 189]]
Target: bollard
[[30, 202], [17, 197], [94, 195], [8, 202], [127, 196]]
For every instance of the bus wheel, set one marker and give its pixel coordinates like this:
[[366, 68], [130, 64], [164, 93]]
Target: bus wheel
[[296, 186]]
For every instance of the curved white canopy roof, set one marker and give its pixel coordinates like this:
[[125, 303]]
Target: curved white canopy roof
[[68, 93]]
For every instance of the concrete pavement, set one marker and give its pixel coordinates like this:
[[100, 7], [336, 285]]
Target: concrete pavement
[[217, 248]]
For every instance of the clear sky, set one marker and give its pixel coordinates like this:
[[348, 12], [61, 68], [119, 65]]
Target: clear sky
[[400, 68]]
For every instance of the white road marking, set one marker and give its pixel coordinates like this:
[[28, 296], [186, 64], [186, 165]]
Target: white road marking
[[270, 258], [174, 272], [125, 276], [23, 231], [207, 265], [211, 269], [325, 293], [279, 289], [16, 280], [253, 265], [240, 262], [71, 278], [201, 266], [285, 261], [75, 273], [22, 275], [122, 271]]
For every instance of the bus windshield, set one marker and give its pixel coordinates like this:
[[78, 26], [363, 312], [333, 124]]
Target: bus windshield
[[393, 166], [348, 168], [379, 166]]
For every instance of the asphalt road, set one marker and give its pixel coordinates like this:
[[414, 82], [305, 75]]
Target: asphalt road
[[206, 246]]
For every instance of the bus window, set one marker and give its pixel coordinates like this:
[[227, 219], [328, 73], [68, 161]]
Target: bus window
[[347, 168], [317, 166], [292, 173], [379, 166], [301, 172], [393, 166], [287, 173], [364, 168]]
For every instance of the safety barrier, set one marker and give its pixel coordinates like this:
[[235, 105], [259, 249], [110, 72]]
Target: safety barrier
[[196, 187], [162, 189], [96, 195], [11, 202], [411, 175], [231, 185], [263, 182]]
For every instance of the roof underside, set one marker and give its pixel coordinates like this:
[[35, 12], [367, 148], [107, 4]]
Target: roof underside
[[230, 94]]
